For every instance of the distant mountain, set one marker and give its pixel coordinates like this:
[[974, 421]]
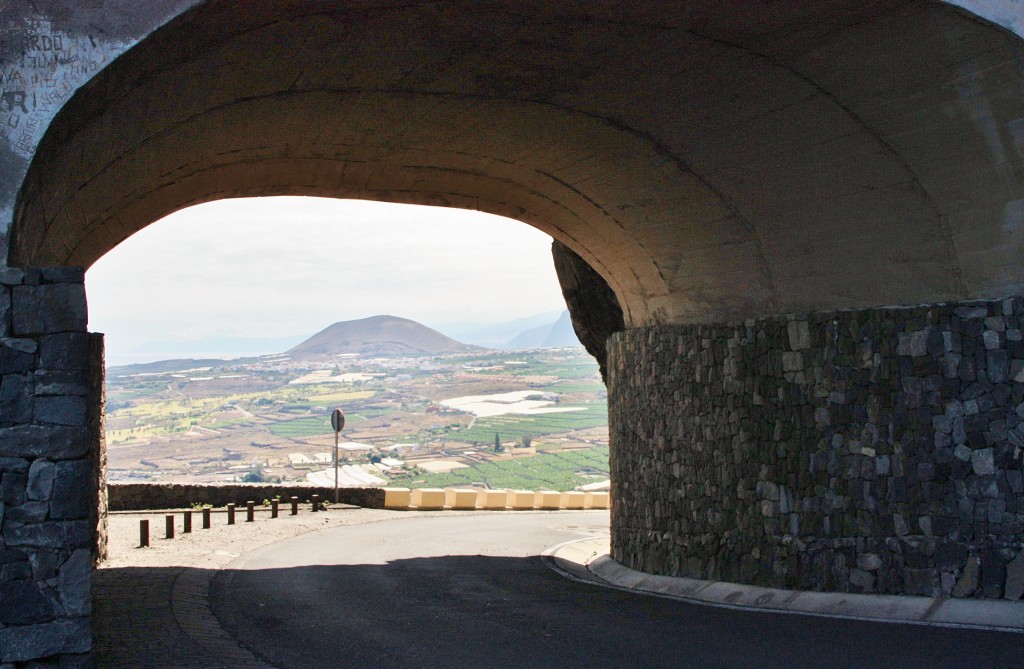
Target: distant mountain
[[553, 334], [384, 336], [498, 335]]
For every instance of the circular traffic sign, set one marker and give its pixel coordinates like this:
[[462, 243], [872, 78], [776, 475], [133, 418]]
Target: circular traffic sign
[[338, 420]]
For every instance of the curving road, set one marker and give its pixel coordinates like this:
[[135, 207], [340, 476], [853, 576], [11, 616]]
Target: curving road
[[434, 590]]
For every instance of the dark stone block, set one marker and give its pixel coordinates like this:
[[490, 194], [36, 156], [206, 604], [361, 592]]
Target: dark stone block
[[63, 275], [993, 572], [57, 382], [32, 605], [924, 582], [73, 490], [71, 410], [15, 400], [29, 512], [48, 309], [53, 442], [950, 556], [27, 642], [33, 276], [50, 534], [44, 564], [65, 351], [13, 465], [15, 571], [8, 555], [12, 488], [998, 366], [14, 361]]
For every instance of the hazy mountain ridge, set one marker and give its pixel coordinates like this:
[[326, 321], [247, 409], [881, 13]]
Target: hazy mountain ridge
[[555, 334], [499, 335]]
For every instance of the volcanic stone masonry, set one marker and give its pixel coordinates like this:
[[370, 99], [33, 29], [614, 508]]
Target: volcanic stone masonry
[[50, 468], [856, 451]]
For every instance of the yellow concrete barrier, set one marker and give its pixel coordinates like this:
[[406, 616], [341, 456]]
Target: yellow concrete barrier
[[460, 498], [492, 499], [521, 500], [597, 500], [548, 499], [573, 500], [397, 498], [426, 499]]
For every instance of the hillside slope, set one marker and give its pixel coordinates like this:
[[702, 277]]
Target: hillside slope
[[383, 336]]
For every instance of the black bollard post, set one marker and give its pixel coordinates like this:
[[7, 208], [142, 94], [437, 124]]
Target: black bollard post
[[316, 502], [231, 514], [206, 517], [169, 526], [143, 533], [250, 510], [273, 508], [295, 506], [187, 523]]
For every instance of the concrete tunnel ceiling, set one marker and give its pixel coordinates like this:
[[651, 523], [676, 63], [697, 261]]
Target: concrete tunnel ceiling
[[712, 160]]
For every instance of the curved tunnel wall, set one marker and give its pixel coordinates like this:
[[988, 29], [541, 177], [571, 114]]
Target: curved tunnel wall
[[860, 451]]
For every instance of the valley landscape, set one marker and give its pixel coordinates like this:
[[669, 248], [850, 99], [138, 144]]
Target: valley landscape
[[422, 410]]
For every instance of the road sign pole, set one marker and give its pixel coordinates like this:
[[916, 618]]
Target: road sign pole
[[337, 422]]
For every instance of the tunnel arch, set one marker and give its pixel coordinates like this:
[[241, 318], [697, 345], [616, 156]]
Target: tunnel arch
[[811, 214], [775, 172]]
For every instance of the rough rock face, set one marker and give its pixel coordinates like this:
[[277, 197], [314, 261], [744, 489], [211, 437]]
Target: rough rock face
[[877, 451], [593, 307]]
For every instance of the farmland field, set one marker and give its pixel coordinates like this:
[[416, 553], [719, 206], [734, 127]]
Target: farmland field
[[513, 427], [545, 471], [247, 419]]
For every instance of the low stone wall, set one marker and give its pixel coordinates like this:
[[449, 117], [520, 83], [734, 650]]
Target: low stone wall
[[862, 451], [145, 496]]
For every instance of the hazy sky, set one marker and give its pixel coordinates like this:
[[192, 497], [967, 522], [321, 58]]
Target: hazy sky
[[284, 266]]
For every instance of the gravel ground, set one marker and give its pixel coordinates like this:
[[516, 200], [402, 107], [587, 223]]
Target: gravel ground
[[187, 550]]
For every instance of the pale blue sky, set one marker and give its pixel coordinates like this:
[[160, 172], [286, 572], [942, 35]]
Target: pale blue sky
[[285, 266]]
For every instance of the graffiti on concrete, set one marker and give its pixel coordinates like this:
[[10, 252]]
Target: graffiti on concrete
[[36, 82]]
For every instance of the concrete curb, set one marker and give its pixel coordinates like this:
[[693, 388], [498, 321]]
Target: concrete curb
[[588, 560]]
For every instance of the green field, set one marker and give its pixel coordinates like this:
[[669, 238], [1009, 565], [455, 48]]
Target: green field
[[513, 427], [545, 471]]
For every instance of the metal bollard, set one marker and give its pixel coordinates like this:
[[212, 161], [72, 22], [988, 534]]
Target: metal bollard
[[316, 503], [295, 506], [250, 510], [273, 508], [187, 523], [143, 533], [206, 517], [231, 514], [169, 526]]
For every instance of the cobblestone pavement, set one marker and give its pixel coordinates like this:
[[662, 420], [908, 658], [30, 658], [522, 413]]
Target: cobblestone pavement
[[150, 607]]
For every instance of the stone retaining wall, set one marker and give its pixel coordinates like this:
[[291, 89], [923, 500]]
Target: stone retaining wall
[[145, 496], [49, 460], [861, 451]]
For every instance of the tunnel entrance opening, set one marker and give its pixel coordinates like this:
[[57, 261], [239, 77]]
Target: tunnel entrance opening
[[425, 410]]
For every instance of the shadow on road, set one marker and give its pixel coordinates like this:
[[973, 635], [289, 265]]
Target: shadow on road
[[471, 611]]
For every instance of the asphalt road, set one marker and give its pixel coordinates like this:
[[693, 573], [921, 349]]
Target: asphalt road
[[471, 591]]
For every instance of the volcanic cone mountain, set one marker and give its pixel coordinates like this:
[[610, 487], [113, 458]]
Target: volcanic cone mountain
[[377, 336]]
